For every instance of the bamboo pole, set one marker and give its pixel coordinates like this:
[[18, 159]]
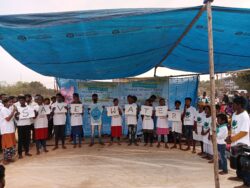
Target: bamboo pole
[[212, 91]]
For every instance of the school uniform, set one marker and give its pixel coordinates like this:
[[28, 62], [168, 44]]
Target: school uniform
[[189, 118], [207, 144], [132, 125], [59, 121], [116, 126], [7, 130], [96, 111], [76, 123], [222, 133], [198, 118], [41, 127], [23, 129]]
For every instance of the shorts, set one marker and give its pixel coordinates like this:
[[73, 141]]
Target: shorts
[[188, 131]]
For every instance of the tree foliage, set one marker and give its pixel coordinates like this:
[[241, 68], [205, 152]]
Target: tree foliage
[[242, 79], [32, 88]]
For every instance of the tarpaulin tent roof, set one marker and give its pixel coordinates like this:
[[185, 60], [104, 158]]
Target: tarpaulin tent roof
[[106, 44]]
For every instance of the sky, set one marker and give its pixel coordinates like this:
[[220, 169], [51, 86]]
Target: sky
[[18, 72]]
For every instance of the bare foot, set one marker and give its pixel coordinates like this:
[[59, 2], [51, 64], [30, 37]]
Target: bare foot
[[55, 148]]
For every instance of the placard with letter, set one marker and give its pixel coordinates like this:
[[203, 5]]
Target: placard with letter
[[130, 109], [146, 110], [26, 112], [174, 115], [161, 111], [76, 108], [60, 108], [113, 111]]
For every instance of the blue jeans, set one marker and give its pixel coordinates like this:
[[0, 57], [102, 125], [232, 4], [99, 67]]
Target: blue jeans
[[222, 157]]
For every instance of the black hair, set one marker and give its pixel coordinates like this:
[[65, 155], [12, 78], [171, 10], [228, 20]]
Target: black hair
[[207, 106], [59, 95], [53, 97], [115, 99], [129, 96], [94, 95], [177, 102], [5, 100], [240, 101], [21, 97], [28, 95], [152, 97], [134, 98], [76, 95], [217, 106], [47, 99], [188, 98], [161, 99], [223, 117]]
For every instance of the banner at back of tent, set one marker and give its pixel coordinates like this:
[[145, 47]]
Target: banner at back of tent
[[170, 89]]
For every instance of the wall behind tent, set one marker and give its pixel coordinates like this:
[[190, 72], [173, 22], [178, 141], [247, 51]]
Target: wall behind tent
[[173, 88]]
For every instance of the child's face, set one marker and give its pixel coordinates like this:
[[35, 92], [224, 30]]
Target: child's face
[[9, 103], [116, 102], [147, 103], [22, 101], [130, 100], [39, 101], [46, 102], [220, 122], [59, 99], [207, 111], [94, 99], [28, 99], [200, 107], [162, 102], [187, 102], [177, 105], [75, 98]]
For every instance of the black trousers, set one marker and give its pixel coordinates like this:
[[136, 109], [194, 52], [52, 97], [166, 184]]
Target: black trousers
[[59, 131], [50, 128], [148, 135], [23, 138]]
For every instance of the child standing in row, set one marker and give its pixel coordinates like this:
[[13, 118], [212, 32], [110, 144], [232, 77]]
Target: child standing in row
[[23, 129], [206, 129], [116, 124], [162, 126], [132, 122], [76, 122], [59, 120], [177, 126], [96, 119], [40, 125], [188, 122], [222, 133], [148, 126], [198, 127]]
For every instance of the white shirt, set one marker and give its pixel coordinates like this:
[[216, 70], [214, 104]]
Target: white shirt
[[199, 117], [132, 119], [222, 133], [59, 118], [41, 120], [6, 126], [116, 120], [189, 117], [96, 114], [207, 123], [76, 120], [241, 123], [147, 123]]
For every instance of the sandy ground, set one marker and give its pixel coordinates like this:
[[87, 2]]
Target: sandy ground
[[114, 167]]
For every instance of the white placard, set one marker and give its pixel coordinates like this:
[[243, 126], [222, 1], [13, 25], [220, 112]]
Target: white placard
[[174, 116], [76, 109], [146, 110], [60, 108], [130, 109], [112, 111], [44, 110], [161, 111], [26, 112]]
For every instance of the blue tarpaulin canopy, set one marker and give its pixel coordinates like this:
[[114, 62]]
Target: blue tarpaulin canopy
[[106, 44]]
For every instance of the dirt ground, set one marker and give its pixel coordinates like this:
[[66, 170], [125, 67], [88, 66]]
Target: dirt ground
[[114, 167]]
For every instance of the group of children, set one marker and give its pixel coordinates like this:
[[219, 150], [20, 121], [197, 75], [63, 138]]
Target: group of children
[[194, 125]]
